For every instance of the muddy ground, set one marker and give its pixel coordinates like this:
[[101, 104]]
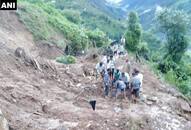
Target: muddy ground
[[56, 96]]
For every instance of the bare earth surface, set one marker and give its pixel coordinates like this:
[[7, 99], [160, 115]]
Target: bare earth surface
[[56, 98]]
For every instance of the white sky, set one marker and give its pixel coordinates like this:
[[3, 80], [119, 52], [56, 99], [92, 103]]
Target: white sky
[[114, 1]]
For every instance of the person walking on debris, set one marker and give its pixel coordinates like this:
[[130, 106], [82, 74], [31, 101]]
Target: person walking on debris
[[106, 80], [111, 66], [137, 57], [135, 85], [115, 49], [140, 77], [128, 66], [104, 61], [99, 69], [117, 76], [125, 78], [123, 40], [121, 50], [120, 88]]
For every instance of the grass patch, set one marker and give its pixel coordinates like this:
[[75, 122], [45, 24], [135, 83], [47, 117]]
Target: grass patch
[[66, 59]]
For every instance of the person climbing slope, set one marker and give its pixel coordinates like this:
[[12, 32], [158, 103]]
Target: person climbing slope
[[104, 61], [135, 86], [121, 50], [128, 66], [140, 77], [123, 40], [111, 66], [125, 78], [117, 75], [106, 80], [120, 88], [99, 69], [137, 57]]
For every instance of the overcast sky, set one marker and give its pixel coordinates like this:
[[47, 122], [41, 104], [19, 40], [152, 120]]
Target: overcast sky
[[114, 1]]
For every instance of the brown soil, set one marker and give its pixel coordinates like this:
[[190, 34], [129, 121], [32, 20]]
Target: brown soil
[[57, 99]]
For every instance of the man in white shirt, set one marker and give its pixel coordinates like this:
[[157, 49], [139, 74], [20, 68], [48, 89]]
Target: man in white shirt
[[104, 61], [123, 40], [99, 69], [125, 78], [140, 77]]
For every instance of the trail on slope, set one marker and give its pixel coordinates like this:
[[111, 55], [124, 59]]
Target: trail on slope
[[58, 99]]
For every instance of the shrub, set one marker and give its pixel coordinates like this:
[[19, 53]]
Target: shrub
[[185, 88], [166, 65], [72, 16], [66, 59], [98, 38], [170, 76], [143, 50]]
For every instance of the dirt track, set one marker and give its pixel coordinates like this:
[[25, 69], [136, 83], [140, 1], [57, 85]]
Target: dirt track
[[58, 99]]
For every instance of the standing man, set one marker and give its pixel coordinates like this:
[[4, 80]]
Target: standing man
[[120, 88], [140, 77], [99, 69], [111, 66], [104, 61], [135, 86], [106, 80], [123, 40], [128, 66], [117, 76], [125, 78], [137, 57]]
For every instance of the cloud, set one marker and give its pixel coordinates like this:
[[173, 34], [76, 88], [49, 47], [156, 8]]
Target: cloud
[[114, 1]]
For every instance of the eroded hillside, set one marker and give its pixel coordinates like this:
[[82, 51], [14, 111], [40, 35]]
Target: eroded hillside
[[52, 96]]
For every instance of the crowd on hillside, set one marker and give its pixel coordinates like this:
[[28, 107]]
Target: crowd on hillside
[[128, 83]]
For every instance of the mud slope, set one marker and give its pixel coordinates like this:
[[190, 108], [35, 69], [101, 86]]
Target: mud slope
[[56, 96]]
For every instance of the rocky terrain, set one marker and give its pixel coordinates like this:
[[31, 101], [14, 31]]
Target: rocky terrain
[[36, 93]]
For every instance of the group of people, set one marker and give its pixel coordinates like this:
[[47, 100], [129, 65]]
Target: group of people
[[117, 82]]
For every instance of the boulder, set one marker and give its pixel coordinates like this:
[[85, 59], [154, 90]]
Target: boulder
[[185, 106], [3, 122], [152, 99], [180, 105], [20, 52]]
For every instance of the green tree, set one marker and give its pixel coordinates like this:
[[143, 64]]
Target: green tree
[[133, 34], [98, 38], [174, 24]]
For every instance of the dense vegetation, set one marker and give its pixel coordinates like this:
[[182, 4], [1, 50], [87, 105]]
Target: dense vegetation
[[133, 34], [46, 22], [170, 56], [88, 14], [175, 25]]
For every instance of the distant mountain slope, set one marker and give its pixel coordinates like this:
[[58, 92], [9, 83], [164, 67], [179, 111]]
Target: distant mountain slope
[[95, 14], [147, 8], [104, 6]]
